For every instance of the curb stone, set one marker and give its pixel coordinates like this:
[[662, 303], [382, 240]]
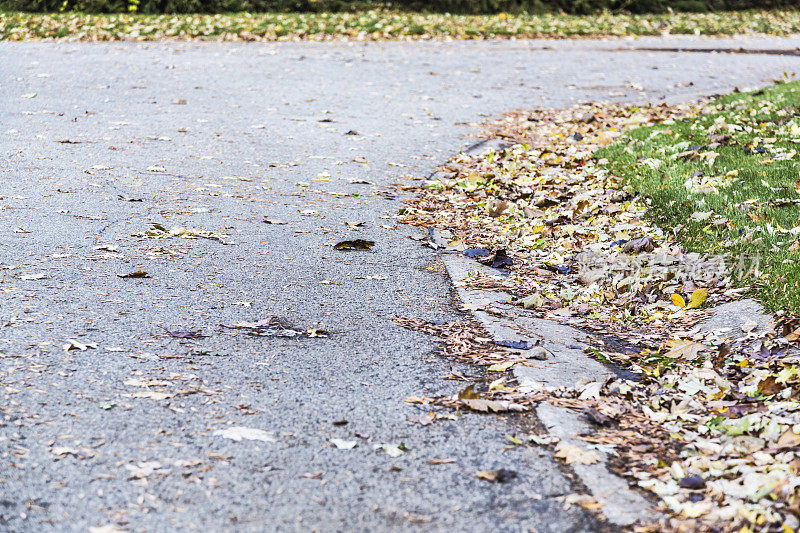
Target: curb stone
[[566, 364]]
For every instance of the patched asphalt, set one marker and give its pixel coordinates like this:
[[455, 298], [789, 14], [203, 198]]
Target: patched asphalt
[[102, 140]]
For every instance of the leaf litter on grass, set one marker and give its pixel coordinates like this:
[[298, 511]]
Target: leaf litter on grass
[[712, 424], [380, 24]]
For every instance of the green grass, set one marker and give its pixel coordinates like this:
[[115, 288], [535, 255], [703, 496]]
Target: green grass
[[745, 203], [381, 25]]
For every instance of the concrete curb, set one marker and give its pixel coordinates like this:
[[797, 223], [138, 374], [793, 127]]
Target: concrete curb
[[566, 364]]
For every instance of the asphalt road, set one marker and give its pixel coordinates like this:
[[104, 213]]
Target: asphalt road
[[100, 141]]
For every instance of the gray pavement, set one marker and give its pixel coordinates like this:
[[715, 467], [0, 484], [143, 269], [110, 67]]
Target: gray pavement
[[124, 433]]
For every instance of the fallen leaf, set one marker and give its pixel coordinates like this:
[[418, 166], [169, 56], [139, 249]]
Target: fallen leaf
[[500, 259], [678, 300], [237, 433], [72, 344], [33, 277], [476, 253], [531, 302], [517, 345], [789, 439], [392, 450], [692, 483], [357, 244], [145, 469], [584, 500], [152, 395], [344, 444], [697, 298], [136, 274], [496, 476], [574, 454], [636, 246], [501, 367], [468, 393], [198, 334], [683, 349], [494, 406]]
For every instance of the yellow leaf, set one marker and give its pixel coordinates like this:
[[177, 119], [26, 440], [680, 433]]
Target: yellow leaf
[[502, 367], [697, 299], [677, 299]]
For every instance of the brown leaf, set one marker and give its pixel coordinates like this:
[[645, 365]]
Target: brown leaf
[[604, 139], [643, 244], [596, 417], [769, 386], [574, 454], [136, 274], [683, 349], [357, 244], [441, 461], [497, 208], [497, 476], [468, 393], [789, 439]]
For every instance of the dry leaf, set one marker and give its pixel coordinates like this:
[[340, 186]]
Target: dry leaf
[[344, 444], [697, 298], [789, 439], [237, 433], [574, 454], [494, 406], [502, 367], [683, 349], [678, 300]]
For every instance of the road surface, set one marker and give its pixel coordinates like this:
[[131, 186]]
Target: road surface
[[127, 426]]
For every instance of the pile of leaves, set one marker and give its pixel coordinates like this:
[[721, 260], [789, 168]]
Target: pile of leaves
[[463, 339], [712, 424], [381, 25]]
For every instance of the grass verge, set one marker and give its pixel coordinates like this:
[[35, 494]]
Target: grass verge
[[727, 183], [381, 25]]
